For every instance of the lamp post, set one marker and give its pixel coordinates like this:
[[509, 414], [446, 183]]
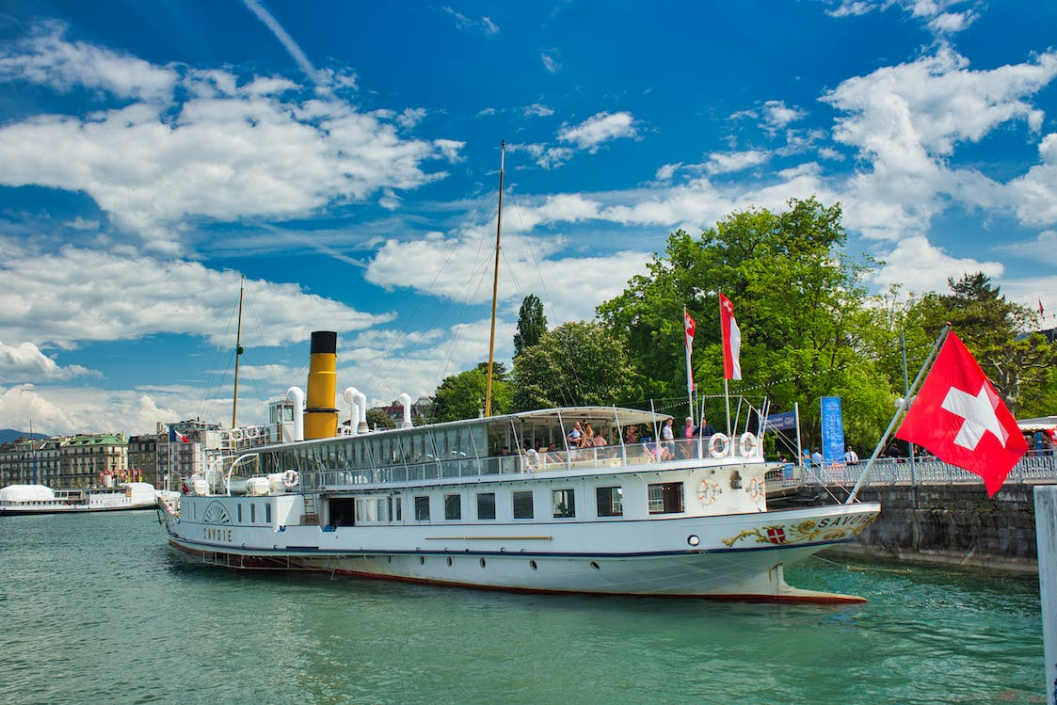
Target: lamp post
[[910, 446]]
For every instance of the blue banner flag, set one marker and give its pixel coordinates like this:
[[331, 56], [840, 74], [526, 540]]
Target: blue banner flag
[[832, 432], [786, 421]]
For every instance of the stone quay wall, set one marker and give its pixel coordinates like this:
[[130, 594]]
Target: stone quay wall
[[952, 524]]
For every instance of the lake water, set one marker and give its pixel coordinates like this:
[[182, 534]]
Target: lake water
[[98, 609]]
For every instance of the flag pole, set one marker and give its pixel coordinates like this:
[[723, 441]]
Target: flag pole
[[900, 411]]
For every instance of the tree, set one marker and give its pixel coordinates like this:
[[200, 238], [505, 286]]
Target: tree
[[531, 324], [577, 363], [996, 332], [799, 303], [461, 396], [377, 418]]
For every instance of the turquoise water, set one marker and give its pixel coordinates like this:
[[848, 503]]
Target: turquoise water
[[97, 609]]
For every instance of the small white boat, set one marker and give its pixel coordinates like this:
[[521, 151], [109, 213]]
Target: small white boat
[[445, 504], [38, 499]]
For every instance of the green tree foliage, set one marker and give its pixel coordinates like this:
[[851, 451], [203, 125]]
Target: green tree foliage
[[461, 396], [996, 331], [799, 304], [376, 418], [577, 363], [531, 324]]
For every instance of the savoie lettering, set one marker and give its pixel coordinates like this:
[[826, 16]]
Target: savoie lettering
[[211, 534], [849, 520]]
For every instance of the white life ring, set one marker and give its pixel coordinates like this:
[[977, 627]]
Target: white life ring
[[251, 432], [290, 479], [236, 434], [757, 489], [748, 445], [718, 445], [708, 492]]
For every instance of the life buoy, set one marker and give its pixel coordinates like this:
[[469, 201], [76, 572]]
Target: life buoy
[[708, 492], [757, 489], [748, 445], [718, 445], [290, 479], [251, 432], [236, 434]]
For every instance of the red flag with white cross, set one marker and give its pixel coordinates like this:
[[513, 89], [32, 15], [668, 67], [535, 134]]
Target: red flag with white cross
[[960, 418]]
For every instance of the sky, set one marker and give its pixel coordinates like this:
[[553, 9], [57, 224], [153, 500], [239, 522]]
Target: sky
[[339, 163]]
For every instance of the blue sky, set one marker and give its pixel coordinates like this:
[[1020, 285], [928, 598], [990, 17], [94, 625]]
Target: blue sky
[[343, 157]]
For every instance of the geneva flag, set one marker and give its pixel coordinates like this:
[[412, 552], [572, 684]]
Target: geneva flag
[[731, 339], [959, 417], [688, 328]]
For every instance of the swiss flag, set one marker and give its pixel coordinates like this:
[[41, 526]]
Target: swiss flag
[[731, 339], [960, 418]]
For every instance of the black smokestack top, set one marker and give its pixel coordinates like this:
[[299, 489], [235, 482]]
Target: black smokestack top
[[324, 341]]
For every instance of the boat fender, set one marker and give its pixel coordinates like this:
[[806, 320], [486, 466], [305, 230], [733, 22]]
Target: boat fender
[[290, 479], [747, 444], [718, 445], [757, 489]]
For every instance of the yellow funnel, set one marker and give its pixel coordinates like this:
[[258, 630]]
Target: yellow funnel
[[321, 418]]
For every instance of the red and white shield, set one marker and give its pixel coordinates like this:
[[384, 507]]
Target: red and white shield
[[776, 534]]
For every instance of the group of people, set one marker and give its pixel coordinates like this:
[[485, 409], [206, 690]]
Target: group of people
[[583, 436]]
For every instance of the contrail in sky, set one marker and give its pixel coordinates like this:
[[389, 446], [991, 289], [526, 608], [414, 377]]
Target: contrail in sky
[[286, 40]]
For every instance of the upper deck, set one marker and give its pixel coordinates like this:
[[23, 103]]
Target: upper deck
[[509, 445]]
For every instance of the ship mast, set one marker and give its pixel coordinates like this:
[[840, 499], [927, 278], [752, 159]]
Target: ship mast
[[495, 284], [238, 354]]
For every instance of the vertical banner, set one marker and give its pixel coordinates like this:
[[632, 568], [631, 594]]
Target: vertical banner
[[832, 432]]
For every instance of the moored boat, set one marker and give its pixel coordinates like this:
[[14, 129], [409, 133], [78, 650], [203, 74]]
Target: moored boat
[[39, 499], [452, 504]]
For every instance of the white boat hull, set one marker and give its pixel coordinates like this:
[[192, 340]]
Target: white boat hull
[[738, 556]]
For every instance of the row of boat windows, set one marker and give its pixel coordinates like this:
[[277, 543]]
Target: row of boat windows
[[663, 498]]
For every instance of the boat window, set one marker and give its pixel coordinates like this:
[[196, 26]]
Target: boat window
[[564, 503], [253, 512], [452, 507], [610, 501], [397, 507], [422, 508], [523, 504], [486, 505], [268, 513], [372, 510], [240, 512], [666, 498]]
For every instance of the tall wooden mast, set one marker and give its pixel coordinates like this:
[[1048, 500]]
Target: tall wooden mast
[[238, 354], [495, 284]]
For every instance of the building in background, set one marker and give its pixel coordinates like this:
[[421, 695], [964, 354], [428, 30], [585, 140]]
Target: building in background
[[143, 460], [87, 460]]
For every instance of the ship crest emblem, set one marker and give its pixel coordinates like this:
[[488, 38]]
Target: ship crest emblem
[[776, 534]]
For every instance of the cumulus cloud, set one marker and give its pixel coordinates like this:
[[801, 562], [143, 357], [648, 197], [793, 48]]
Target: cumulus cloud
[[551, 64], [26, 363], [905, 121], [76, 295], [227, 152], [920, 266], [45, 58], [598, 129], [725, 163]]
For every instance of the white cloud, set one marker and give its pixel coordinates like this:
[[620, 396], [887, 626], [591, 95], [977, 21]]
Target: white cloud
[[484, 25], [78, 295], [227, 153], [538, 110], [777, 115], [26, 363], [598, 129], [47, 59], [550, 60], [725, 163], [906, 122], [920, 266]]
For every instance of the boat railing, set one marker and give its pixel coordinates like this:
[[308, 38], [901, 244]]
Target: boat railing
[[593, 457]]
